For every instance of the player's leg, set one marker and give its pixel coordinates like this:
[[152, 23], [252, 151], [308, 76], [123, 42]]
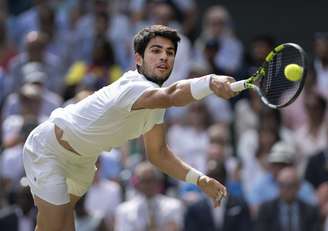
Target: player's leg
[[54, 217], [48, 185], [70, 219]]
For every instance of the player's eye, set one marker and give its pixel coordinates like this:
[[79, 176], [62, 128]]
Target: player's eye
[[170, 53], [156, 51]]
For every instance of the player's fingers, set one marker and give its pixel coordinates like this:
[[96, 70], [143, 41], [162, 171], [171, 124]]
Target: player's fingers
[[223, 90], [230, 79], [227, 89], [218, 199], [224, 191], [215, 203], [231, 93]]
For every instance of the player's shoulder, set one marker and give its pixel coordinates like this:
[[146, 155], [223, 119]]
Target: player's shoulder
[[134, 78]]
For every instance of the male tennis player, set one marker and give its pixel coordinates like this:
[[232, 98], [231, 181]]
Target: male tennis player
[[59, 155]]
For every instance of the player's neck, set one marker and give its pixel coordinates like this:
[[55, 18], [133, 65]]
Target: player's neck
[[157, 81]]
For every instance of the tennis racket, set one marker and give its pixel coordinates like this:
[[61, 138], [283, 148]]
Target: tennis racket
[[270, 82]]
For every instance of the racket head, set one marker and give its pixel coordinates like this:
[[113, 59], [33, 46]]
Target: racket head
[[270, 82]]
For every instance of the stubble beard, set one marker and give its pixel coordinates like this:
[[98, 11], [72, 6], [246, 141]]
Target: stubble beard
[[153, 78]]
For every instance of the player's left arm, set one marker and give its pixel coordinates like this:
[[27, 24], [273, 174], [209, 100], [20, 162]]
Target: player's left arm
[[161, 156]]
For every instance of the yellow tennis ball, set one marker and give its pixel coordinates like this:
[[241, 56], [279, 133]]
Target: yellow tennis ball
[[293, 72]]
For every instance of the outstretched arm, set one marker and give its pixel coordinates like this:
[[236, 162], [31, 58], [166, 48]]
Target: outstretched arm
[[161, 156], [185, 91]]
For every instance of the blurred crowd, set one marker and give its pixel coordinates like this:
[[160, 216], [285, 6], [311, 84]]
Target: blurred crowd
[[273, 162]]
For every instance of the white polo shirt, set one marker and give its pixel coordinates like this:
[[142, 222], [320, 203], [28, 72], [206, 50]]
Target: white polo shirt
[[104, 120]]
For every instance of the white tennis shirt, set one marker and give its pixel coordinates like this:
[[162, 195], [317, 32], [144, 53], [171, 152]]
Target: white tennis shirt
[[104, 120]]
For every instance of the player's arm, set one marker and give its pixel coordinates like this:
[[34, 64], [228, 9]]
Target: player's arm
[[185, 91], [160, 155]]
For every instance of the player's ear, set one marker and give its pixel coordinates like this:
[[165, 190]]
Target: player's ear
[[138, 59]]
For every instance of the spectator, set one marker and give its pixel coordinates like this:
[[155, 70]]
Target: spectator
[[316, 171], [11, 161], [233, 215], [321, 61], [287, 212], [57, 41], [4, 88], [7, 48], [181, 138], [149, 210], [185, 11], [29, 21], [266, 188], [30, 104], [34, 88], [117, 31], [36, 43], [311, 137], [255, 145], [218, 25], [85, 221], [211, 49], [247, 113], [20, 216], [259, 48], [99, 72], [248, 108], [220, 150]]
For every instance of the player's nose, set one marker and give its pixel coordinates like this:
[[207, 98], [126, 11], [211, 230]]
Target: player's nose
[[164, 57]]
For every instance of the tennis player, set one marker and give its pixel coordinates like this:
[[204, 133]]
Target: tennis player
[[60, 154]]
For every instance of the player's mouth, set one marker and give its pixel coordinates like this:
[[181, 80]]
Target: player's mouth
[[162, 67]]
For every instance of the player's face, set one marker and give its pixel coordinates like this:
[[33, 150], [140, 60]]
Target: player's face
[[158, 59]]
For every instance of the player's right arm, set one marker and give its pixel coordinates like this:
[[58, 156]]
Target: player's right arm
[[160, 155], [184, 92]]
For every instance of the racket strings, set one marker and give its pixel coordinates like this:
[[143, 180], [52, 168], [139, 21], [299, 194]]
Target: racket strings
[[275, 87]]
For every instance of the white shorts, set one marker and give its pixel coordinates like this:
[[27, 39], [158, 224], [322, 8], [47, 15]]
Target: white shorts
[[52, 171]]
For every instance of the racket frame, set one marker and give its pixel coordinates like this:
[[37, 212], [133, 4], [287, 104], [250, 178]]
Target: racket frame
[[249, 83]]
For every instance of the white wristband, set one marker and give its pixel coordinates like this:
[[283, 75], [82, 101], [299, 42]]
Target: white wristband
[[193, 175], [200, 87]]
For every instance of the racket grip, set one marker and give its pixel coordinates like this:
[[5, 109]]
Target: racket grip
[[238, 86]]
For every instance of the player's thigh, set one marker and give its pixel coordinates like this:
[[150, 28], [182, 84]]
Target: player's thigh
[[54, 217]]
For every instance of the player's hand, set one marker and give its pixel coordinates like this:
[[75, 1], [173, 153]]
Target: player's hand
[[214, 189], [220, 85]]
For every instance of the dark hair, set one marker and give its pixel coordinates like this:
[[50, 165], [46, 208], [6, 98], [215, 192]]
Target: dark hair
[[142, 38]]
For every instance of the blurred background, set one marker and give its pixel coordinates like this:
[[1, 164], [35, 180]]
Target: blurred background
[[274, 163]]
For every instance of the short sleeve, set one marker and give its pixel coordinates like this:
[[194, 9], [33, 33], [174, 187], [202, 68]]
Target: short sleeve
[[130, 92]]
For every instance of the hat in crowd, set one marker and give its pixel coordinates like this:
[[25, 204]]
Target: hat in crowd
[[282, 153], [34, 72]]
